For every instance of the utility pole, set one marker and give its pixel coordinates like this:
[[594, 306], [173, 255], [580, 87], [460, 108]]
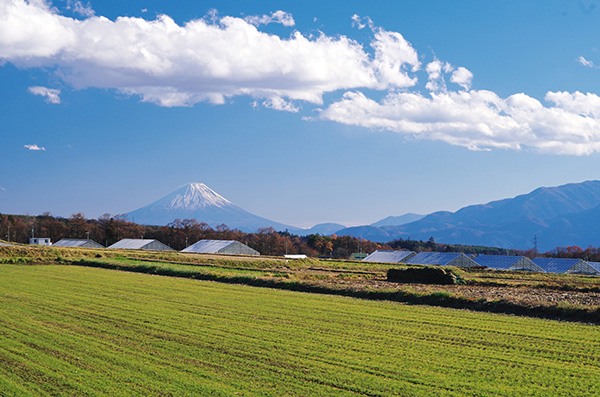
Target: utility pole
[[8, 233], [88, 235], [535, 243]]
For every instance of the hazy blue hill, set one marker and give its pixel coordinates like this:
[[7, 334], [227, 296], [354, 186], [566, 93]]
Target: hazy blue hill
[[371, 233], [562, 215], [398, 220], [323, 229]]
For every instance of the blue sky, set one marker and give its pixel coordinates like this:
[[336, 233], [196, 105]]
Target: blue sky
[[301, 112]]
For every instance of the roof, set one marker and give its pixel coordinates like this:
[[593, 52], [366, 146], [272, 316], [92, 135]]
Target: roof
[[595, 265], [209, 246], [434, 258], [388, 256], [556, 265], [73, 242], [499, 262], [132, 243]]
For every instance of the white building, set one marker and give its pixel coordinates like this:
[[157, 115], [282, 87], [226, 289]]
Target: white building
[[40, 241]]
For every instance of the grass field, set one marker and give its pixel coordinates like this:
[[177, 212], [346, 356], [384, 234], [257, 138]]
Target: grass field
[[69, 330]]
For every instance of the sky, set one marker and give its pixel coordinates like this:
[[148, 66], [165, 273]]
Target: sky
[[300, 112]]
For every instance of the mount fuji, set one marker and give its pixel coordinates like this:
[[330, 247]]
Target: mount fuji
[[198, 201]]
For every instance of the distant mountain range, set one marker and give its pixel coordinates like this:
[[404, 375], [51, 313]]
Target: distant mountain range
[[558, 216], [198, 201]]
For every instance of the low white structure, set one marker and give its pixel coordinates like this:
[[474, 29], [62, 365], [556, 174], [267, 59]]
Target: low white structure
[[442, 259], [220, 247], [140, 244], [295, 256], [388, 256], [40, 241], [507, 262], [588, 268], [559, 265], [77, 243]]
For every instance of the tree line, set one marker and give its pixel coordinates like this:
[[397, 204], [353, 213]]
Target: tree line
[[179, 234]]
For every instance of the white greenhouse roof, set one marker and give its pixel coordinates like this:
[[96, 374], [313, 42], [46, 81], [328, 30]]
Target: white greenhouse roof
[[208, 246], [388, 256], [500, 262], [556, 265], [132, 243], [72, 242], [434, 258]]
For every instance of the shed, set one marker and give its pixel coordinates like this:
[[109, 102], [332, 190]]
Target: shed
[[220, 247], [40, 241], [442, 259], [506, 262], [559, 265], [389, 256], [140, 244], [583, 267], [77, 243]]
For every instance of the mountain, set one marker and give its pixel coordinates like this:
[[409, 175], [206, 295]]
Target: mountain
[[398, 220], [198, 201], [323, 229], [559, 216]]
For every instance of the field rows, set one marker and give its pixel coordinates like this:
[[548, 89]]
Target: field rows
[[76, 331]]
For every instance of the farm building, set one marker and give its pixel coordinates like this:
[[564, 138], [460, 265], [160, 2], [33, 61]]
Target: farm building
[[220, 247], [40, 241], [442, 259], [589, 268], [388, 256], [506, 262], [140, 244], [559, 265], [77, 243]]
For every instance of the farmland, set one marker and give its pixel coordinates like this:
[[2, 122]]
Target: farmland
[[76, 330]]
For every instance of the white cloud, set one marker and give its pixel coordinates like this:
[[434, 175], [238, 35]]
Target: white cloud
[[362, 23], [585, 62], [80, 9], [52, 95], [281, 17], [217, 58], [480, 120], [180, 65], [463, 77], [35, 147], [3, 189]]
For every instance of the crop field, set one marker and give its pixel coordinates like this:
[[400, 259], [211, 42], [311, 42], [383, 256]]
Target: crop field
[[73, 330]]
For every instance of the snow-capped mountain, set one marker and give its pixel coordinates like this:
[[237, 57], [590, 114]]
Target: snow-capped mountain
[[198, 201]]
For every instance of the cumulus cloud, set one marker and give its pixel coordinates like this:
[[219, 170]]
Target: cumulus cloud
[[480, 120], [208, 59], [281, 17], [52, 95], [34, 147], [463, 77], [217, 58]]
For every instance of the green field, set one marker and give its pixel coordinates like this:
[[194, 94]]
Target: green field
[[72, 330]]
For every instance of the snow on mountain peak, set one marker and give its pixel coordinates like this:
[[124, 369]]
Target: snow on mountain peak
[[197, 195]]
